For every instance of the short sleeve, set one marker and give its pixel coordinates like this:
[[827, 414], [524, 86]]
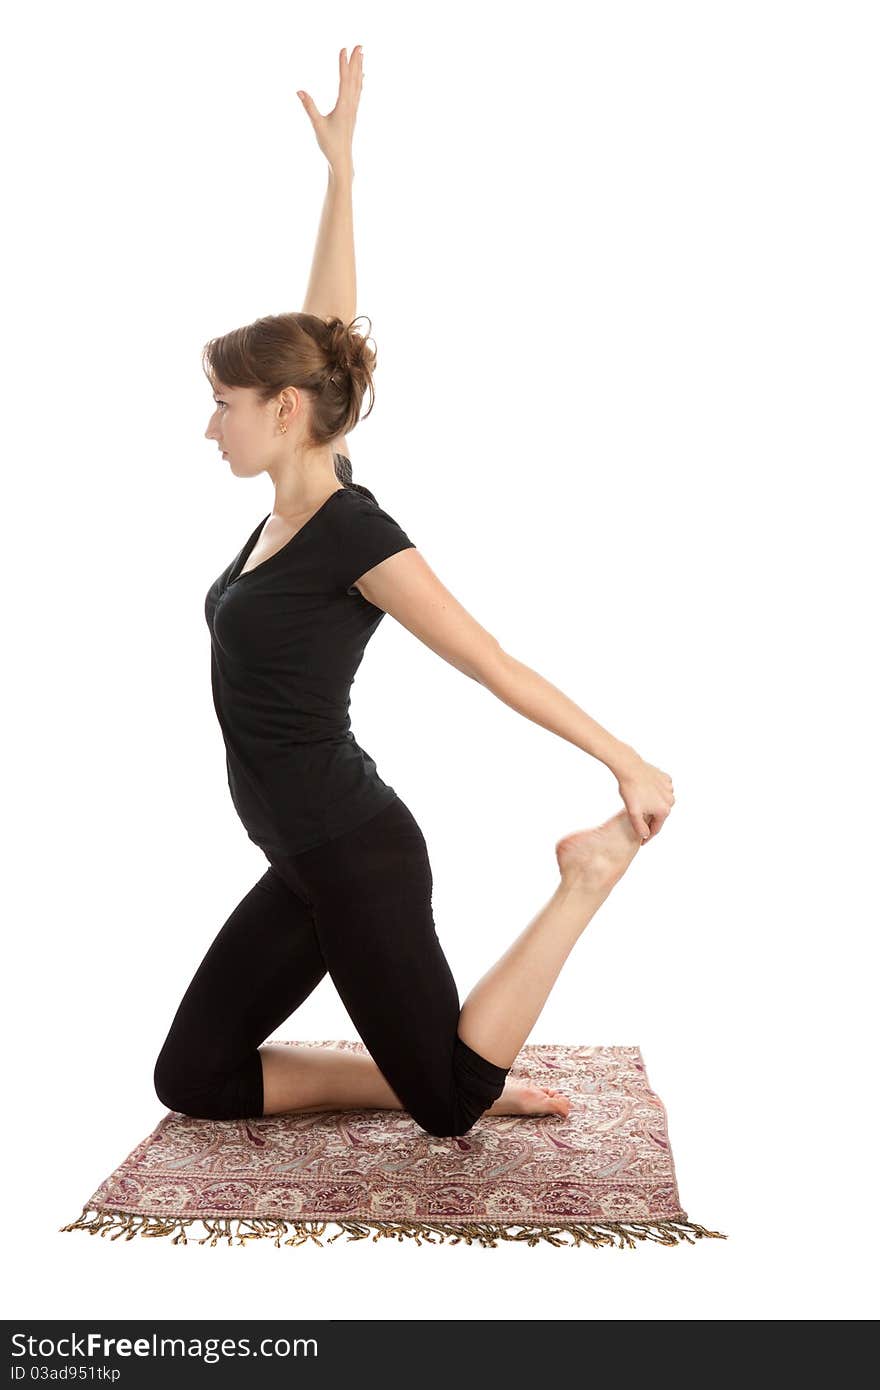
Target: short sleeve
[[364, 536]]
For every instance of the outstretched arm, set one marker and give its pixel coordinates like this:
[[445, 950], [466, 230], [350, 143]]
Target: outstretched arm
[[405, 586]]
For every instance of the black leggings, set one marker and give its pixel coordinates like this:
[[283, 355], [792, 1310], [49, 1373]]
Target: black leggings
[[360, 907]]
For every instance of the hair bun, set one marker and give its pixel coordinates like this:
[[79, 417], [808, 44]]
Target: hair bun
[[347, 347], [339, 347]]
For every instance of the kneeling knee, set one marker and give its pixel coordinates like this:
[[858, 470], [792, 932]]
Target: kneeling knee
[[168, 1088], [450, 1124], [173, 1090], [235, 1095]]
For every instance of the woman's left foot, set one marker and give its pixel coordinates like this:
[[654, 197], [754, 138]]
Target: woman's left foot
[[599, 857], [523, 1098]]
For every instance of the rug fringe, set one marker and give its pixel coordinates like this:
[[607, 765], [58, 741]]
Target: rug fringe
[[616, 1233]]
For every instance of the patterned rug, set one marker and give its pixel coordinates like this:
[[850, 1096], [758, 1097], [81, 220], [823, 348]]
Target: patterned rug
[[603, 1175]]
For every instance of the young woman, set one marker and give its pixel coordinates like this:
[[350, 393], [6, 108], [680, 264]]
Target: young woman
[[348, 888]]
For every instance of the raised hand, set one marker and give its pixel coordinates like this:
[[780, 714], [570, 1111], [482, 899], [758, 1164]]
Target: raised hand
[[335, 131]]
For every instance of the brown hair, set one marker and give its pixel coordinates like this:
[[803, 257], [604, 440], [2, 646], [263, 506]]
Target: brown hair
[[325, 358]]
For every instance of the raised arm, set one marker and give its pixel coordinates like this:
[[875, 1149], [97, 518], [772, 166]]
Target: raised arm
[[332, 287]]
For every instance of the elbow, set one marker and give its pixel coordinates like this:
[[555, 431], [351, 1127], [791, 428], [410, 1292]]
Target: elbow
[[492, 667]]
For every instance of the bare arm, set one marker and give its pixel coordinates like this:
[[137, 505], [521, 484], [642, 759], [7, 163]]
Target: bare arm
[[405, 586], [332, 287]]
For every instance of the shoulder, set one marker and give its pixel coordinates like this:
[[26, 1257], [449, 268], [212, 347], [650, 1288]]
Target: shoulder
[[363, 534], [358, 507]]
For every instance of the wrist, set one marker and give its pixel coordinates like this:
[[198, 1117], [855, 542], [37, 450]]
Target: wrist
[[621, 758], [341, 171]]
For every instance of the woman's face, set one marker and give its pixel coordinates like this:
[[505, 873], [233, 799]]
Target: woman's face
[[244, 430]]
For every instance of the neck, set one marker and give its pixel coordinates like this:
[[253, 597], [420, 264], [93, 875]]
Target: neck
[[304, 481]]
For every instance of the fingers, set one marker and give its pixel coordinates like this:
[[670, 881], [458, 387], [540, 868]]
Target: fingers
[[658, 821], [351, 75], [354, 64]]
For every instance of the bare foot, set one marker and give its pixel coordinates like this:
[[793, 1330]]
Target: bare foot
[[523, 1098], [597, 858]]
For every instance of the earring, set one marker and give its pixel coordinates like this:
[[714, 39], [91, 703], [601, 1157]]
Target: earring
[[284, 429]]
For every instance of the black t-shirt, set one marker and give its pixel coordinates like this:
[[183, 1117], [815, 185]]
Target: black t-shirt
[[286, 640]]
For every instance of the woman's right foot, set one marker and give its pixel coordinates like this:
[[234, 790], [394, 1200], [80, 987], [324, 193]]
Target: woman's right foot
[[596, 859], [525, 1098]]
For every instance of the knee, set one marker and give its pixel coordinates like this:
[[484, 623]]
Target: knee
[[177, 1090], [168, 1085], [448, 1121], [445, 1129], [477, 1085], [452, 1130], [234, 1094]]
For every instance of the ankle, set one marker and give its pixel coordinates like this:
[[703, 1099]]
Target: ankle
[[589, 888]]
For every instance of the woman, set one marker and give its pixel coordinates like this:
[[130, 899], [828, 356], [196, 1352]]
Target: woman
[[348, 889]]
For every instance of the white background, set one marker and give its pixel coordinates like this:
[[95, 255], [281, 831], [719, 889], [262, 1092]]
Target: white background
[[620, 265]]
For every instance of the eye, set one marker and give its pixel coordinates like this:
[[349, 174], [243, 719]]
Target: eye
[[219, 402]]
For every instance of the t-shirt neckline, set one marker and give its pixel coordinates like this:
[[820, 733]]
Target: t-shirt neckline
[[245, 574]]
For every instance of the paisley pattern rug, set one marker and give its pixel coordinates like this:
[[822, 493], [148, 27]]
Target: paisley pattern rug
[[603, 1175]]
